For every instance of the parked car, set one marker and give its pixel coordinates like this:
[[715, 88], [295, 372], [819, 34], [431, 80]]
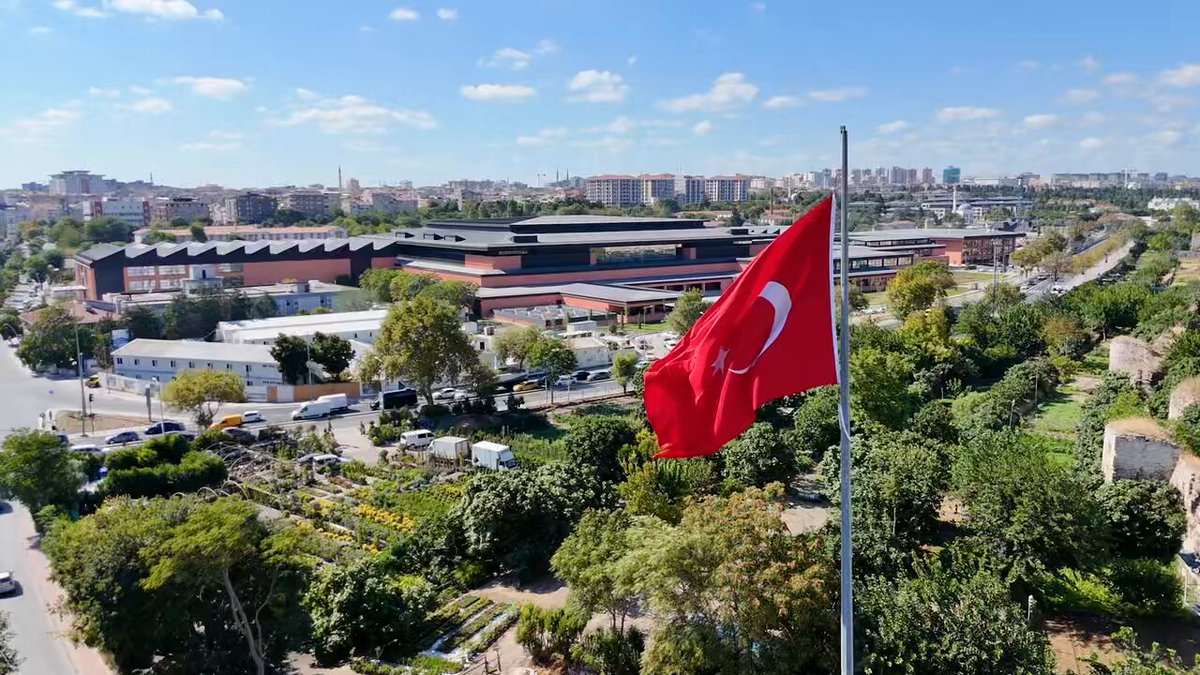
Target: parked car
[[564, 382], [416, 439], [86, 447], [240, 435], [580, 375], [188, 436], [601, 375], [252, 416], [7, 583], [445, 394], [163, 427], [122, 438]]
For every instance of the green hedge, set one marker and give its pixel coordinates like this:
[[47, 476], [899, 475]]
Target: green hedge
[[194, 471]]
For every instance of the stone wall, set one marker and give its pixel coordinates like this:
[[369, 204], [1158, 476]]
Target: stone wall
[[1186, 479], [1185, 394], [1135, 358], [1137, 448]]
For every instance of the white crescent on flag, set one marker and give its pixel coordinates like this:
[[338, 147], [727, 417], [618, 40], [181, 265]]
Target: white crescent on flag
[[781, 301]]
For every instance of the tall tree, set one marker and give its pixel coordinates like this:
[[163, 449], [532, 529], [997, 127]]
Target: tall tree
[[759, 456], [456, 293], [589, 562], [201, 392], [553, 355], [1145, 518], [624, 368], [423, 344], [688, 309], [918, 286], [198, 233], [514, 344], [333, 352], [142, 323], [37, 469], [50, 341], [292, 353]]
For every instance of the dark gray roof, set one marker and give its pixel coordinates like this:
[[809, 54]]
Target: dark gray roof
[[930, 232], [221, 248]]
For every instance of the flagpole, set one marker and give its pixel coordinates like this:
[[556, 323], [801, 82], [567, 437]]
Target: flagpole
[[844, 381]]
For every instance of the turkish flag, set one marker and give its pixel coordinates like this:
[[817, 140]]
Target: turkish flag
[[769, 335]]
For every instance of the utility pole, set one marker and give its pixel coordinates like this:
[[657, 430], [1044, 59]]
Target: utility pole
[[82, 393]]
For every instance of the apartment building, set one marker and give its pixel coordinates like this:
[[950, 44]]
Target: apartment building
[[656, 187], [250, 208], [77, 183], [689, 189], [166, 209], [614, 190], [727, 188], [134, 211], [310, 203]]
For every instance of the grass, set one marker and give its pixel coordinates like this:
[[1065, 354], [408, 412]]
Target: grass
[[656, 327], [1058, 417], [1096, 361], [975, 277], [876, 299], [1075, 591], [1188, 270]]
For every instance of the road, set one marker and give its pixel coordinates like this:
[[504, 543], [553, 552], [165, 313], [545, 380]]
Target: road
[[37, 633]]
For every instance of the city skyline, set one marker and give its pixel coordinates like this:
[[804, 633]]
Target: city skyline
[[431, 93]]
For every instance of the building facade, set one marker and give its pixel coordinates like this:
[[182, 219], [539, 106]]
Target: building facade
[[77, 183], [247, 233], [951, 175], [310, 203], [614, 190], [145, 359], [727, 188], [134, 211], [250, 208], [166, 209]]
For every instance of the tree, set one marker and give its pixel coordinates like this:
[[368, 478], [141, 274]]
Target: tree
[[50, 340], [421, 343], [688, 309], [554, 356], [9, 659], [108, 230], [734, 592], [406, 286], [515, 343], [624, 368], [879, 385], [612, 652], [588, 561], [1145, 518], [198, 233], [761, 455], [455, 293], [378, 282], [519, 518], [142, 322], [292, 353], [37, 469], [596, 441], [1057, 264], [939, 624], [917, 287], [201, 392], [362, 607], [858, 299], [549, 634], [816, 421], [333, 352]]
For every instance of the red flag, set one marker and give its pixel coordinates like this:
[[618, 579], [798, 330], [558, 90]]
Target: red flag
[[769, 335]]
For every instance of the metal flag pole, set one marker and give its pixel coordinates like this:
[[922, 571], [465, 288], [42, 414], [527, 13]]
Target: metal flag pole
[[844, 381]]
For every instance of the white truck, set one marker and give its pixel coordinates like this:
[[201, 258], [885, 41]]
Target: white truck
[[451, 449], [337, 402], [312, 410], [494, 456], [416, 439]]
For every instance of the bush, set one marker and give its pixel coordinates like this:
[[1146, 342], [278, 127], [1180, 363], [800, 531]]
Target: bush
[[196, 470], [549, 634], [1187, 429], [1146, 587]]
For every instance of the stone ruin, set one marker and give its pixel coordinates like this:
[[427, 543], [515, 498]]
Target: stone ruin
[[1134, 358], [1138, 448], [1185, 394]]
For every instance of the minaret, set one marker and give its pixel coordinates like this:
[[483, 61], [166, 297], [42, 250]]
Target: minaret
[[339, 178]]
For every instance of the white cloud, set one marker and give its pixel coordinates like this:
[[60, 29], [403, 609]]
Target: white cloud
[[42, 126], [211, 146], [447, 14], [632, 60], [140, 91], [355, 115], [220, 88], [965, 114], [543, 137], [1121, 79], [306, 94], [225, 135], [547, 47], [836, 95], [1041, 121], [1080, 95], [891, 127], [152, 105], [404, 14], [1089, 63], [1092, 143], [39, 30], [497, 92], [81, 11], [509, 57], [597, 86], [703, 128], [728, 91], [1029, 64], [101, 92], [778, 102], [620, 125], [758, 6], [1166, 137], [1186, 75]]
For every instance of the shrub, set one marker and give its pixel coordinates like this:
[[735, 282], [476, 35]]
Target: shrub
[[549, 633], [196, 470], [1146, 587], [1187, 429]]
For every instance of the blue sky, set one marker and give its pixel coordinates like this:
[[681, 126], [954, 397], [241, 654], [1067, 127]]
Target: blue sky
[[268, 92]]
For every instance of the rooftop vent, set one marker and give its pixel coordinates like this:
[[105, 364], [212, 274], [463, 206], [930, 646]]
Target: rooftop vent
[[524, 238]]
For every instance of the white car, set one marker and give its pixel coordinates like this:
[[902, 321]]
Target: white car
[[7, 583], [445, 394], [251, 416]]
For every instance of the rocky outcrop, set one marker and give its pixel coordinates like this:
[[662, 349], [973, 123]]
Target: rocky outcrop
[[1135, 358], [1185, 394]]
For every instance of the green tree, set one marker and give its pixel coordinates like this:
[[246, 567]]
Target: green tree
[[549, 634], [515, 343], [879, 385], [689, 306], [378, 282], [333, 353], [1138, 660], [612, 652], [422, 344], [519, 518], [142, 323], [816, 421], [108, 230], [624, 368], [455, 293], [50, 340], [201, 393], [918, 286], [407, 286], [9, 659], [362, 607], [37, 469], [198, 233], [596, 441], [761, 455], [939, 624], [553, 355], [589, 561], [1145, 518]]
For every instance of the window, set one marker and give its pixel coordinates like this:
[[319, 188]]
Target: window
[[191, 364], [172, 363], [154, 362], [137, 362], [171, 269], [143, 285], [120, 361], [231, 267], [247, 367], [141, 271]]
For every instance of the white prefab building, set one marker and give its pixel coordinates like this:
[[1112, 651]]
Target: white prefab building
[[590, 352], [144, 359], [360, 326]]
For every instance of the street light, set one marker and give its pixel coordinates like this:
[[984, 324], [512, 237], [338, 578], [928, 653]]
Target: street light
[[82, 394]]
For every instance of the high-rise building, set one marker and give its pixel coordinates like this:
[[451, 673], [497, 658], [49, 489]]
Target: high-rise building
[[727, 188], [927, 176], [911, 178], [951, 175], [310, 202], [132, 210], [614, 190], [77, 183], [689, 189], [250, 208], [656, 187], [898, 176]]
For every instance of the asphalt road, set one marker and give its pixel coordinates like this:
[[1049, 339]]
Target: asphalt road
[[36, 633]]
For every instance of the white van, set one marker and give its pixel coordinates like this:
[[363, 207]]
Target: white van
[[417, 439]]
